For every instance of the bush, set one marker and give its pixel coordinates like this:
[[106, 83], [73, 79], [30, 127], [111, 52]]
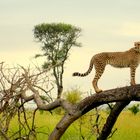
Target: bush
[[73, 96], [134, 109]]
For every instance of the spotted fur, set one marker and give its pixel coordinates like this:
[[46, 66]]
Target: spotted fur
[[127, 59]]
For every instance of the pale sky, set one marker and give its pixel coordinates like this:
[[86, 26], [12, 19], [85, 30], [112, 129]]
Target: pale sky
[[107, 25]]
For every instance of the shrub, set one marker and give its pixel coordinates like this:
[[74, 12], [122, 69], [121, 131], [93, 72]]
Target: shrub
[[134, 109], [73, 96]]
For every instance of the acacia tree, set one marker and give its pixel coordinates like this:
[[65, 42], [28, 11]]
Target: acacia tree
[[17, 83], [57, 40]]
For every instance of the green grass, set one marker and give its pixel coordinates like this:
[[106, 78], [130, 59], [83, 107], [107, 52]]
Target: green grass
[[128, 126]]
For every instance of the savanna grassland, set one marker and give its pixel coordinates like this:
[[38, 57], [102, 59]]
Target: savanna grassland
[[128, 126]]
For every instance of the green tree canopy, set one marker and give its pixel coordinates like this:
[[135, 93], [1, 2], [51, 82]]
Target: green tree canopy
[[57, 40]]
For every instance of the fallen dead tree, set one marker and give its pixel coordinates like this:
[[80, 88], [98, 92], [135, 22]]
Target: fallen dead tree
[[15, 87]]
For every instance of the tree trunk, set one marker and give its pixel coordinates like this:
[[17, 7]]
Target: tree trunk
[[115, 112], [59, 91]]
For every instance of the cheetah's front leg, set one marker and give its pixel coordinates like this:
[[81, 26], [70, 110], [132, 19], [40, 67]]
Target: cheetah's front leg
[[132, 72]]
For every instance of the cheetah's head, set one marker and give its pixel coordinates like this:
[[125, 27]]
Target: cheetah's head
[[137, 47]]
